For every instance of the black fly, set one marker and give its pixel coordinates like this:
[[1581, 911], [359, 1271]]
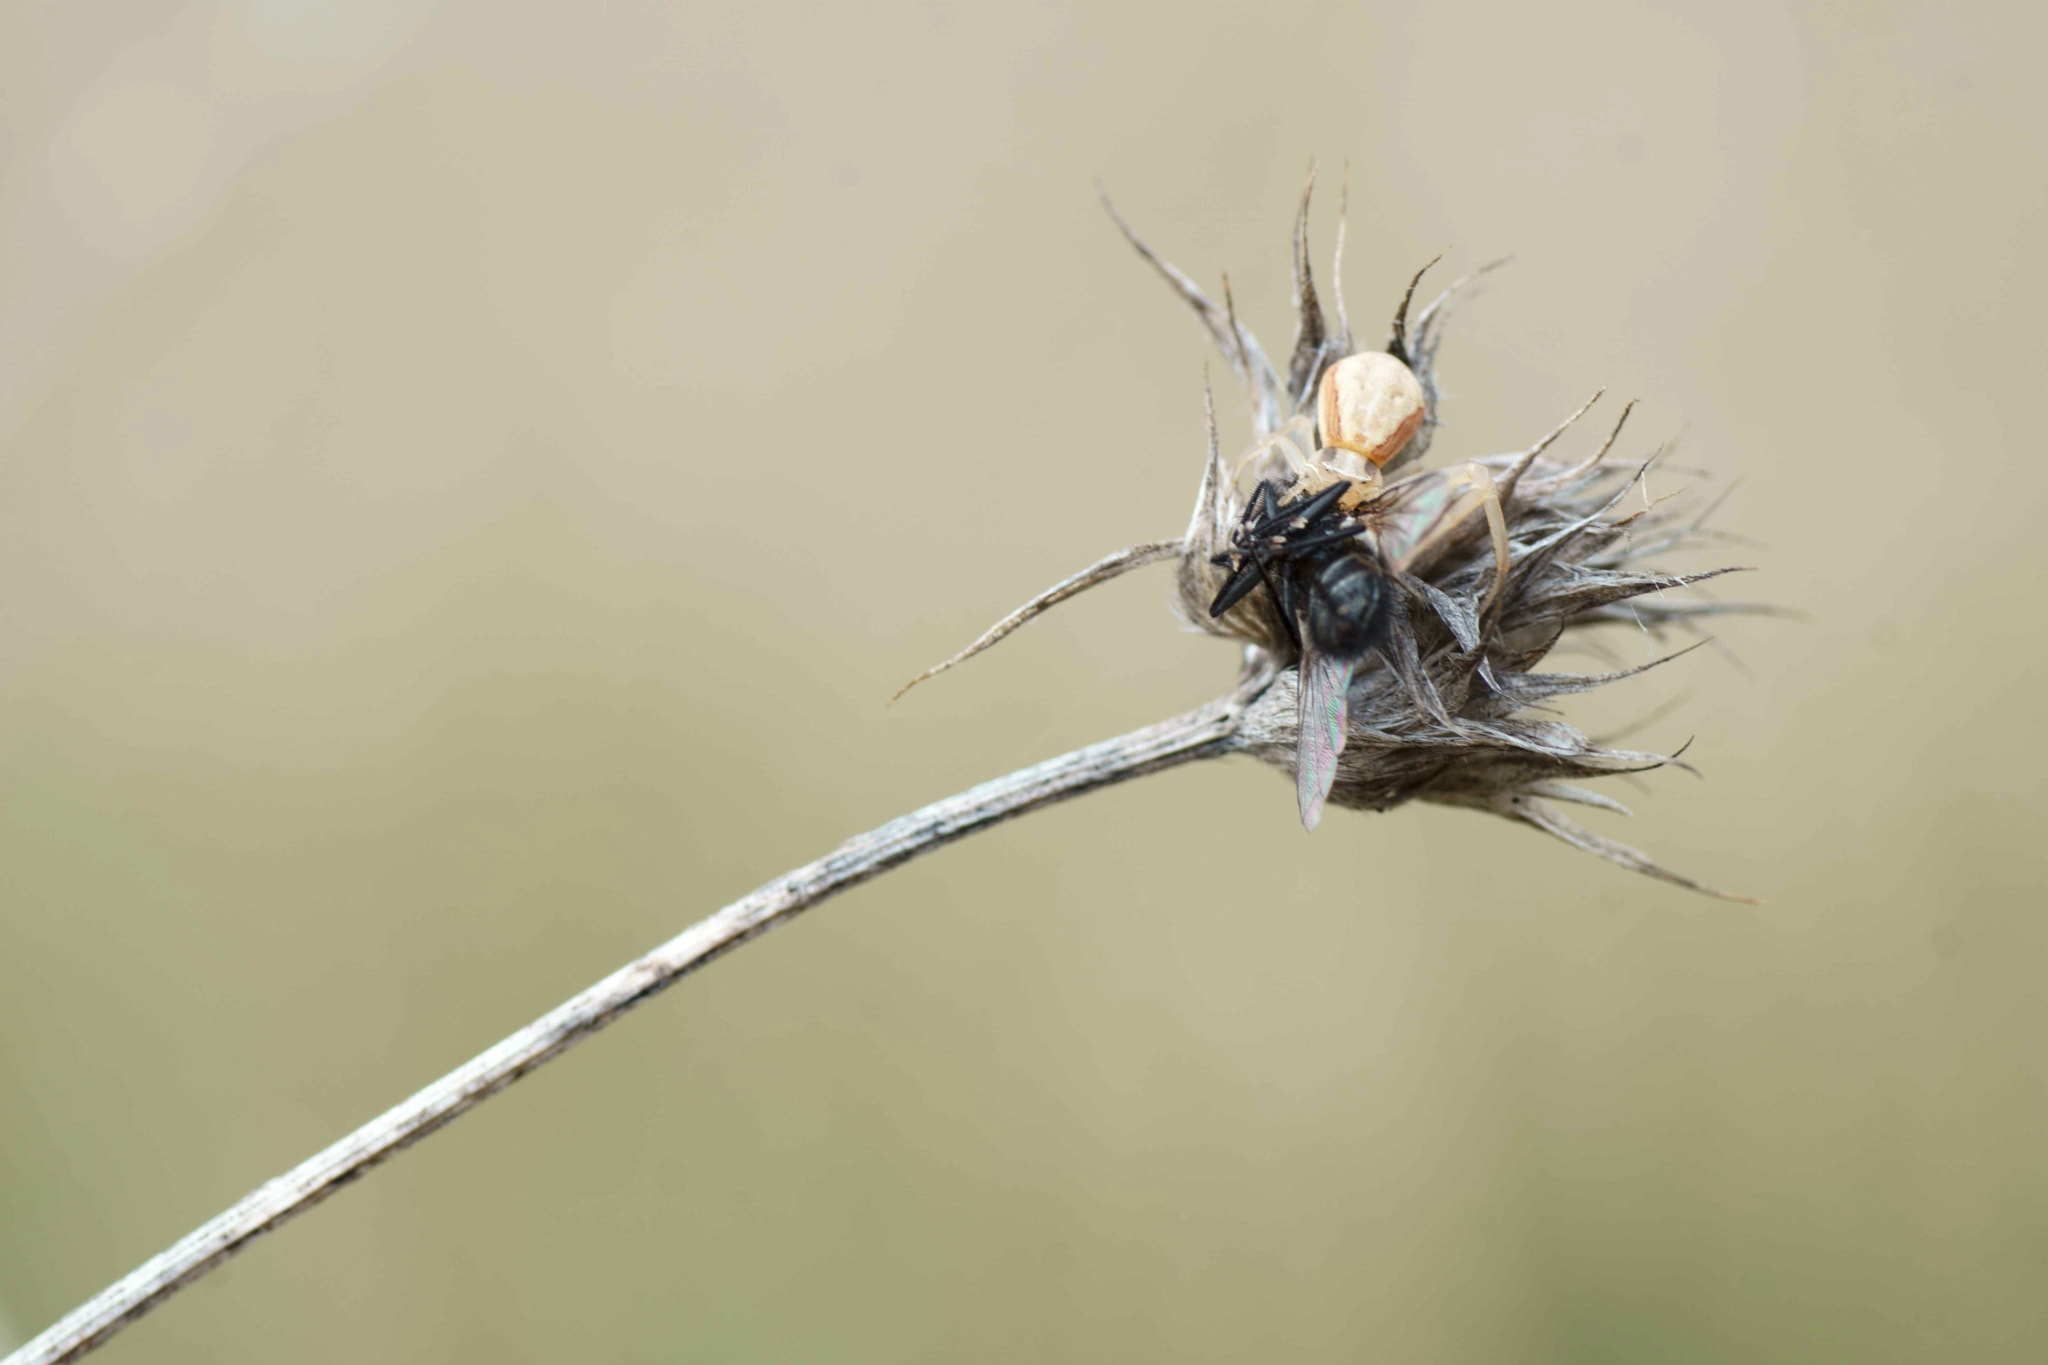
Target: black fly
[[1332, 598], [1329, 591]]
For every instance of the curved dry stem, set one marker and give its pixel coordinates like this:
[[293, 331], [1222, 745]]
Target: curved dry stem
[[1206, 732]]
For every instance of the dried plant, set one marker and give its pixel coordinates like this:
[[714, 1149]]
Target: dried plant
[[1475, 572], [1449, 706]]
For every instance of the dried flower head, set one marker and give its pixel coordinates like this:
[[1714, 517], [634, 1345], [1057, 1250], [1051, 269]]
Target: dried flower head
[[1392, 617]]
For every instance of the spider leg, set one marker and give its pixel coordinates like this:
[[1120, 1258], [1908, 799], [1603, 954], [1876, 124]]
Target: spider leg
[[1285, 443], [1497, 527]]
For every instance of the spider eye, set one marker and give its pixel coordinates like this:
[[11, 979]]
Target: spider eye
[[1370, 404]]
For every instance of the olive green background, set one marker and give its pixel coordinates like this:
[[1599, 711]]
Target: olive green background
[[470, 476]]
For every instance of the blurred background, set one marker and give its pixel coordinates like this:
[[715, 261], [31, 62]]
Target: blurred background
[[470, 476]]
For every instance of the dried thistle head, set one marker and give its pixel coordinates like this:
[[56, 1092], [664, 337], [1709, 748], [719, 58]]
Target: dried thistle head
[[1392, 617]]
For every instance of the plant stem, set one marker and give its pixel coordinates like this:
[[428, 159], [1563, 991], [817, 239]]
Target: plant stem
[[1206, 732]]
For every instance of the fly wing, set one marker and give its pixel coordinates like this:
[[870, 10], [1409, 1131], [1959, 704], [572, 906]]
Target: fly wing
[[1324, 682]]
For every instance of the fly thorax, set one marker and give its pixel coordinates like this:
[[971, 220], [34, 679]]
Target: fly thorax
[[1345, 606]]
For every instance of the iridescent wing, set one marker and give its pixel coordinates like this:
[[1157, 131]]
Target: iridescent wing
[[1324, 682]]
